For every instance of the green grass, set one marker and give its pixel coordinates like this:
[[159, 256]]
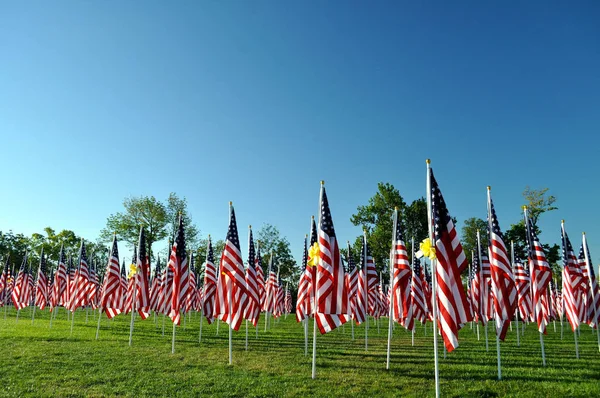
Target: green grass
[[38, 361]]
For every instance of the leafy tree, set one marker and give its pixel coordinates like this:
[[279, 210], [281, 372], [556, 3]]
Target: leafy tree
[[538, 202], [415, 221], [143, 210], [176, 205], [469, 236], [271, 241], [376, 218]]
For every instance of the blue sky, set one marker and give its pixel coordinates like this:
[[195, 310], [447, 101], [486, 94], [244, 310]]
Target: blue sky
[[256, 101]]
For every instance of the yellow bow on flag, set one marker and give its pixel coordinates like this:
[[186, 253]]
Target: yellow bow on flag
[[313, 255], [132, 271], [426, 249]]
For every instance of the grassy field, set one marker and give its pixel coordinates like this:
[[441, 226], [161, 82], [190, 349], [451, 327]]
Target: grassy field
[[38, 361]]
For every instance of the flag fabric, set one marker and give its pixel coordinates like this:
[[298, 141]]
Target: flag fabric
[[417, 291], [155, 287], [231, 298], [278, 301], [523, 282], [142, 276], [192, 296], [4, 282], [21, 292], [178, 263], [81, 281], [61, 281], [210, 284], [92, 287], [303, 300], [271, 287], [252, 312], [331, 295], [593, 293], [541, 274], [503, 284], [453, 309], [41, 285], [260, 276], [572, 282], [402, 311], [356, 311], [361, 306], [111, 298]]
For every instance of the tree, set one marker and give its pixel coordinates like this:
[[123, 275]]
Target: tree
[[469, 236], [143, 210], [176, 205], [538, 202], [376, 219], [271, 241], [415, 221]]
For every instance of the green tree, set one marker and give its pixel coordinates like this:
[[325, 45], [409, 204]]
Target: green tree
[[538, 202], [174, 206], [469, 236], [415, 221], [143, 210], [376, 219], [271, 241]]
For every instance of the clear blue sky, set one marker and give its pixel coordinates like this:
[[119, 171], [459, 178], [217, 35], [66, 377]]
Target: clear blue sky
[[256, 101]]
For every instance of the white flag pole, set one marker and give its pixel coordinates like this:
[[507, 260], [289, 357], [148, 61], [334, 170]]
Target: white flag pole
[[434, 284], [366, 298], [499, 323], [512, 261], [203, 294], [562, 226], [393, 295], [589, 269], [316, 283], [483, 282], [533, 278]]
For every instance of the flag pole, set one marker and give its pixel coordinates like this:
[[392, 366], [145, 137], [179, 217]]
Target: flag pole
[[498, 323], [77, 276], [480, 290], [270, 292], [433, 283], [562, 226], [512, 261], [366, 299], [316, 264], [229, 298], [590, 273], [203, 294], [99, 318], [534, 277], [392, 295], [133, 300], [482, 283]]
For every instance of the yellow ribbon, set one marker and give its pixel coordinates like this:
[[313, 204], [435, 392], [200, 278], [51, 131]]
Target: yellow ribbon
[[426, 249], [313, 255], [132, 271]]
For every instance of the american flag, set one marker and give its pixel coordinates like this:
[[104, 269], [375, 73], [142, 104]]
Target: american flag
[[553, 292], [303, 301], [572, 282], [155, 286], [123, 287], [142, 275], [92, 295], [593, 307], [20, 292], [402, 310], [190, 300], [4, 282], [287, 302], [331, 295], [417, 291], [356, 311], [51, 296], [260, 276], [451, 262], [129, 293], [503, 283], [111, 291], [279, 296], [178, 263], [361, 307], [253, 307], [210, 284], [41, 286], [60, 290], [523, 282], [541, 274], [485, 288], [475, 285], [232, 296], [81, 281], [271, 288]]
